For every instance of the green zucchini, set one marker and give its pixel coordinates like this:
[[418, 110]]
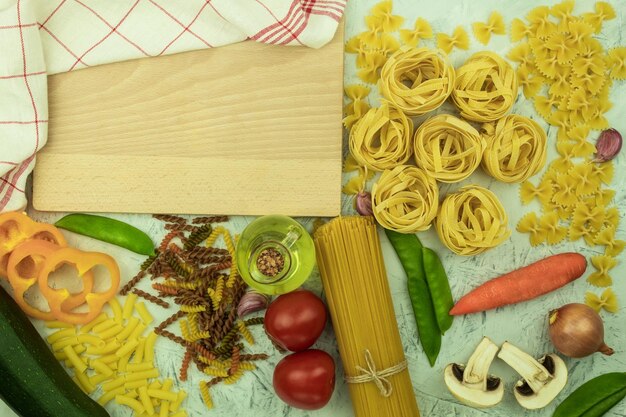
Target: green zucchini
[[34, 384]]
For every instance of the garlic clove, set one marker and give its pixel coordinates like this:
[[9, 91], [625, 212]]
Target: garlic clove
[[363, 203], [608, 145], [252, 301]]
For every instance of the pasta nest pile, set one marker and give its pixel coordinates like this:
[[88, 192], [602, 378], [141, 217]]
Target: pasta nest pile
[[516, 148], [485, 88], [417, 80], [382, 139], [447, 148], [405, 199], [472, 221]]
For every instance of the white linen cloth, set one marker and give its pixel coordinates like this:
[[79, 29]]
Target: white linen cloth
[[41, 37]]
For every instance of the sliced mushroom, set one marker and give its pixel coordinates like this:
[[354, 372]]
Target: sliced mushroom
[[542, 379], [471, 384]]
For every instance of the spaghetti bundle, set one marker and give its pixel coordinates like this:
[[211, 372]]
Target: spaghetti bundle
[[353, 273], [381, 139], [405, 199], [471, 221], [485, 88], [447, 148], [416, 80], [516, 148]]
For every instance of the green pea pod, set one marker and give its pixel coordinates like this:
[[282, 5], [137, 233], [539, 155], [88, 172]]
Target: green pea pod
[[439, 288], [409, 250], [605, 405], [108, 230], [588, 397]]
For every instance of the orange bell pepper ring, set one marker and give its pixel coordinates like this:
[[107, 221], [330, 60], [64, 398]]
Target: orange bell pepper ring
[[16, 227], [23, 268], [84, 262]]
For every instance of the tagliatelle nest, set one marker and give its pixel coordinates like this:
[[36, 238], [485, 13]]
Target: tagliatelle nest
[[381, 139], [416, 80], [516, 148], [447, 148], [405, 199], [485, 87], [471, 221]]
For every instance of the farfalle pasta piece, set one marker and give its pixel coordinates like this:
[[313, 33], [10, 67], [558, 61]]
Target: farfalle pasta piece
[[542, 192], [582, 230], [530, 83], [516, 148], [421, 30], [601, 277], [584, 65], [405, 199], [603, 12], [356, 46], [357, 106], [483, 31], [611, 217], [388, 21], [604, 197], [565, 190], [550, 67], [530, 224], [541, 24], [545, 106], [374, 61], [353, 185], [591, 217], [561, 86], [583, 176], [388, 44], [607, 301], [447, 148], [521, 54], [606, 238], [416, 80], [563, 46], [549, 225], [616, 62], [580, 30], [485, 87], [563, 12], [561, 165], [519, 30], [582, 148], [350, 164], [603, 172], [471, 221], [381, 139], [590, 81], [459, 39]]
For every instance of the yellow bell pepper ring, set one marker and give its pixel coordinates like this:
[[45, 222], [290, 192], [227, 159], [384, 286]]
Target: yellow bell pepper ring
[[25, 264], [84, 262], [16, 227]]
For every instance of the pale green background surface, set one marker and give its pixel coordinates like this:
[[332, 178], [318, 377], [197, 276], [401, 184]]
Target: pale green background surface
[[524, 325]]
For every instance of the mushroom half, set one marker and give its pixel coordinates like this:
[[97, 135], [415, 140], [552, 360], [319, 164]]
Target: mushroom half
[[471, 384], [542, 379]]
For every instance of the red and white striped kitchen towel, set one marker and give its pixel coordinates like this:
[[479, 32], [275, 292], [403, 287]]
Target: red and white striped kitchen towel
[[40, 37]]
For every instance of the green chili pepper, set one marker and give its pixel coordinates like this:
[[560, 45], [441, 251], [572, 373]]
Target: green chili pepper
[[409, 250], [108, 230], [595, 397], [439, 287]]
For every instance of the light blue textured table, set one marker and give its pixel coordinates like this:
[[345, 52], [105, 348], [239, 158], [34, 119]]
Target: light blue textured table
[[525, 325]]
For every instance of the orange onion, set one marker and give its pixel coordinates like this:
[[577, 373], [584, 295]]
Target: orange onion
[[577, 331]]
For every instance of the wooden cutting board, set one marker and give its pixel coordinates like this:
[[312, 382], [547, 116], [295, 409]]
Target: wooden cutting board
[[243, 129]]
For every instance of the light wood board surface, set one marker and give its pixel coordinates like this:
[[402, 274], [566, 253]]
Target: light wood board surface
[[243, 129]]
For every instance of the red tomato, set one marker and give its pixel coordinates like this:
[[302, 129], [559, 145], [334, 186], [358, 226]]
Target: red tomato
[[305, 379], [295, 320]]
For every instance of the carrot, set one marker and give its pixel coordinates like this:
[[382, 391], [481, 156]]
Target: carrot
[[523, 284]]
